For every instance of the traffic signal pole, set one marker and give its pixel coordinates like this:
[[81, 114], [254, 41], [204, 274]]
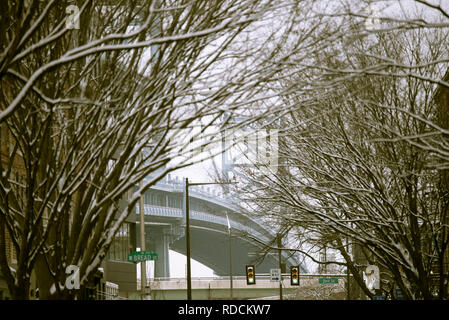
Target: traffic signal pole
[[189, 273], [230, 257]]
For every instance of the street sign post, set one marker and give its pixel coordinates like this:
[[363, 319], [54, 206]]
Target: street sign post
[[275, 275], [139, 256], [328, 280]]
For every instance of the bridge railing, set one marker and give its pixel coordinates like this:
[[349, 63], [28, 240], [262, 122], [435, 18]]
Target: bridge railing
[[220, 198], [176, 185], [262, 280], [197, 215], [223, 199], [259, 276], [257, 229]]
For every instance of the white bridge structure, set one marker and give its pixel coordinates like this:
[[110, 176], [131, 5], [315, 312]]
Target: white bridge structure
[[165, 230]]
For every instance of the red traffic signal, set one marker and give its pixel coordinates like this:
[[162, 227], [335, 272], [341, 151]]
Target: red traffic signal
[[250, 275], [294, 276]]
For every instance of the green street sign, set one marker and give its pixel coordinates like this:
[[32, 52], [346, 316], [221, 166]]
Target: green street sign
[[139, 256], [327, 280]]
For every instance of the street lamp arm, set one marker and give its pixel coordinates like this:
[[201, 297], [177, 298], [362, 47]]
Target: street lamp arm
[[206, 183]]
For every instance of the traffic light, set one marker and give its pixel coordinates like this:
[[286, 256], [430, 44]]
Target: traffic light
[[250, 275], [294, 276]]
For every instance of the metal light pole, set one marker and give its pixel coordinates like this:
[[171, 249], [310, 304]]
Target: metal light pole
[[189, 273], [187, 214]]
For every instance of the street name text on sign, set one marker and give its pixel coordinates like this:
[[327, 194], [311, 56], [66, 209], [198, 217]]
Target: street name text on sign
[[327, 280], [139, 256]]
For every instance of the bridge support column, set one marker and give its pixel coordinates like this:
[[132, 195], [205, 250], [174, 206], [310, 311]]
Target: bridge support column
[[160, 237], [162, 265]]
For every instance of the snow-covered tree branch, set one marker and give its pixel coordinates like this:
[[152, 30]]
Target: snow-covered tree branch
[[82, 97]]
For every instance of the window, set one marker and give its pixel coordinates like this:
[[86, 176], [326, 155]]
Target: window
[[122, 244]]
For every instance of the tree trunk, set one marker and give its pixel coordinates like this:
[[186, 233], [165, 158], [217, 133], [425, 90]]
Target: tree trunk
[[21, 291]]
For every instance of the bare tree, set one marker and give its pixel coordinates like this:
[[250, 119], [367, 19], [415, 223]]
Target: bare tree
[[345, 181], [89, 86], [380, 18]]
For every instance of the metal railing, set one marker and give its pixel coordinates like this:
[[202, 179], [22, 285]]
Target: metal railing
[[197, 215], [262, 276], [173, 185], [259, 276]]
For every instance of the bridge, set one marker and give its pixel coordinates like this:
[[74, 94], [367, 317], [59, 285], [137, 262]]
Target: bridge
[[218, 288], [165, 230]]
